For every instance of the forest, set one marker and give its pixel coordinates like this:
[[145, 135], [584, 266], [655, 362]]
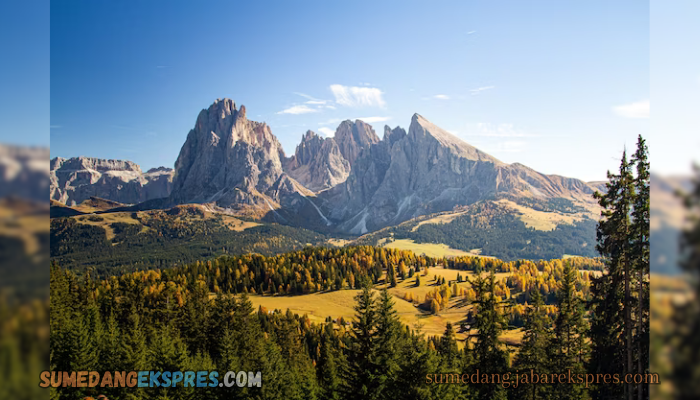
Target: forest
[[165, 241], [199, 317]]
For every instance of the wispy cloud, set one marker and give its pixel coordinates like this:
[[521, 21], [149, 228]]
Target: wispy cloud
[[471, 32], [371, 120], [299, 109], [636, 110], [441, 97], [311, 100], [325, 131], [481, 89], [355, 96]]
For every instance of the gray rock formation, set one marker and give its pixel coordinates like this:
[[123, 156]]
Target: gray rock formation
[[236, 164], [318, 163], [429, 170], [322, 163], [77, 179], [352, 138]]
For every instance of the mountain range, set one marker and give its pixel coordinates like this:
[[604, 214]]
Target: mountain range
[[353, 182], [77, 179]]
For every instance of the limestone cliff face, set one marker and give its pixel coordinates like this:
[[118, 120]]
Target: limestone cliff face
[[322, 163], [428, 170], [353, 137], [318, 163], [352, 182], [233, 162], [77, 179]]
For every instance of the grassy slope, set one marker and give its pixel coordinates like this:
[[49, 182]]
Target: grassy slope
[[338, 304]]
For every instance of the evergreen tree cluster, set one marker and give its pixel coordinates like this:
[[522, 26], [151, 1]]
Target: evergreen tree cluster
[[620, 297]]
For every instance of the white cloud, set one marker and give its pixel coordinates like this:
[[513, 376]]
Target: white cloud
[[371, 120], [355, 96], [481, 89], [295, 110], [636, 110], [311, 100], [442, 97], [471, 32], [325, 131]]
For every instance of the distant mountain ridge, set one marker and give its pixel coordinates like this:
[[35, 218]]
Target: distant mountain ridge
[[353, 182], [77, 179], [429, 170]]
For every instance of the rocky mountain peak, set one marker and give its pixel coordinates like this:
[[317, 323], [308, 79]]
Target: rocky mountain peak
[[308, 136], [318, 163], [392, 136], [231, 161], [308, 148], [423, 131], [353, 137]]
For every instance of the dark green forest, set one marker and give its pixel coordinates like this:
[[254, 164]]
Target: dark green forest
[[166, 243]]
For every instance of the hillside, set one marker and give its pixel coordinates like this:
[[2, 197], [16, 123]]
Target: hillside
[[499, 228], [116, 241]]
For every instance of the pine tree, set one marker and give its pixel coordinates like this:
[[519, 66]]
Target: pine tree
[[533, 354], [329, 364], [417, 361], [251, 353], [569, 349], [391, 274], [448, 349], [388, 332], [134, 345], [489, 323], [640, 261], [362, 375], [610, 302]]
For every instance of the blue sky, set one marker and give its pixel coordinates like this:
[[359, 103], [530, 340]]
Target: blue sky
[[559, 86], [24, 72], [675, 86]]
